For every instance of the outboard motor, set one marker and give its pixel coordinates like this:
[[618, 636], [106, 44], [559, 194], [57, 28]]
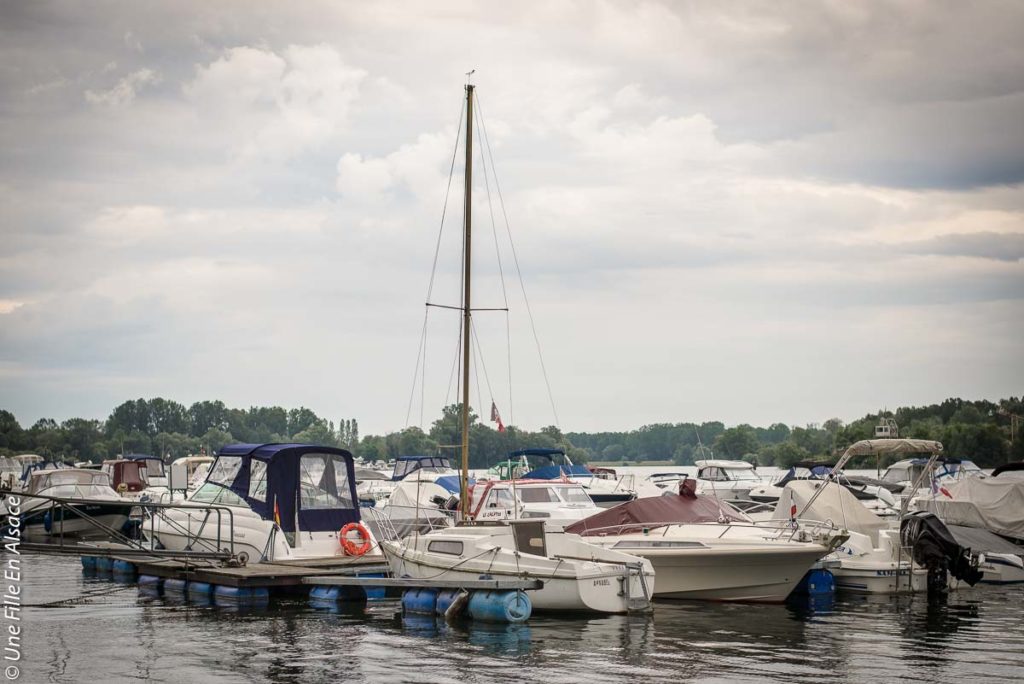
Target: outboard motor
[[933, 547]]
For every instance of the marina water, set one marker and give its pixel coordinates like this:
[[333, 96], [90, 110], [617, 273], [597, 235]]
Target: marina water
[[83, 628]]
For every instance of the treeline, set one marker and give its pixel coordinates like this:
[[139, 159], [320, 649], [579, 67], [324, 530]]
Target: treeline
[[978, 430], [975, 430]]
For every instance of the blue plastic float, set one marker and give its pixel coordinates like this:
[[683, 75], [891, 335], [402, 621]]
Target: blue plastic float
[[500, 606]]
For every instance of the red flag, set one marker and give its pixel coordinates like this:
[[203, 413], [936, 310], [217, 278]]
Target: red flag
[[496, 417]]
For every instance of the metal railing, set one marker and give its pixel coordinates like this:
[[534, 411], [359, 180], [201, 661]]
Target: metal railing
[[59, 508]]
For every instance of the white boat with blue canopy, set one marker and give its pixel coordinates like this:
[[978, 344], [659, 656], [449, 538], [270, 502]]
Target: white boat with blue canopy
[[555, 464], [279, 502]]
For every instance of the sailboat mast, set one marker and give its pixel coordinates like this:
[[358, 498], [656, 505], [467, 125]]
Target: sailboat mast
[[467, 314]]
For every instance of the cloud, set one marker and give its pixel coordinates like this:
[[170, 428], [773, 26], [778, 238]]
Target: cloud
[[125, 91], [721, 211]]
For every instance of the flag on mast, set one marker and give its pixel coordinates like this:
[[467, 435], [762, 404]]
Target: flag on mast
[[496, 417], [277, 512]]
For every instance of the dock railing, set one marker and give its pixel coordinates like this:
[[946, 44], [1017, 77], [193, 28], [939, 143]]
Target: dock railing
[[58, 508]]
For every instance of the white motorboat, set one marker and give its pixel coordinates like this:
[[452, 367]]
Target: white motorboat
[[871, 560], [702, 548], [555, 464], [726, 479], [553, 502], [913, 477], [878, 558], [70, 502], [270, 502], [576, 575]]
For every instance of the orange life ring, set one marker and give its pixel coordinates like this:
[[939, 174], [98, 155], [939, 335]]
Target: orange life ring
[[350, 547]]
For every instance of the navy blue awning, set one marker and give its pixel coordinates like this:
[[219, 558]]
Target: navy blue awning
[[314, 485]]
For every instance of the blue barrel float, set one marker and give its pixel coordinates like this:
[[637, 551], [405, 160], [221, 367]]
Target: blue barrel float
[[123, 570], [500, 606], [419, 601], [236, 596], [816, 583], [175, 586], [445, 599], [199, 590], [150, 585], [104, 564], [89, 563]]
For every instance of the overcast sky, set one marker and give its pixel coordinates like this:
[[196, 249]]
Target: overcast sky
[[751, 212]]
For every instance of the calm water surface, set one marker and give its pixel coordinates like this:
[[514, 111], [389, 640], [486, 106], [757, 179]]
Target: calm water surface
[[81, 628]]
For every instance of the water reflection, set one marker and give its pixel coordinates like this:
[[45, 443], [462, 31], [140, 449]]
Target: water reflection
[[124, 633]]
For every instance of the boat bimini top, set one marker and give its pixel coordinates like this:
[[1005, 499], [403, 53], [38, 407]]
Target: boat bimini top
[[314, 486], [406, 465], [551, 470]]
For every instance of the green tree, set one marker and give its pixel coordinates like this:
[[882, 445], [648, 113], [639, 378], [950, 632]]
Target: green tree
[[737, 442]]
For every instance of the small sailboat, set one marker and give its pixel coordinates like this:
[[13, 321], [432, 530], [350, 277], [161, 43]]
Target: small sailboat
[[576, 576]]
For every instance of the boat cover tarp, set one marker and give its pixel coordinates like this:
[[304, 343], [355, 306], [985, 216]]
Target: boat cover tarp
[[934, 547], [333, 503], [656, 511], [835, 503], [983, 541], [991, 503]]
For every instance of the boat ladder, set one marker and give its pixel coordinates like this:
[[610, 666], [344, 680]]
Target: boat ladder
[[635, 603]]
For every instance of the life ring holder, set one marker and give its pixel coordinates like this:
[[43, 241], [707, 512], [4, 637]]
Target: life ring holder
[[349, 546]]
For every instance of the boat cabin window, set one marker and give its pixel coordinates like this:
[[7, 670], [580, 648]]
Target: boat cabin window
[[537, 495], [574, 495], [225, 469], [709, 474], [323, 482], [211, 493], [500, 498], [154, 468], [445, 546], [258, 480]]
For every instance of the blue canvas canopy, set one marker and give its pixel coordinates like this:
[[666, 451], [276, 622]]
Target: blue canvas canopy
[[405, 465], [553, 470], [313, 485]]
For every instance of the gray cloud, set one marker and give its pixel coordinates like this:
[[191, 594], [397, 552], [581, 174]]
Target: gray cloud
[[241, 201]]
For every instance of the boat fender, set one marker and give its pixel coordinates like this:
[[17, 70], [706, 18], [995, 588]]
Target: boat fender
[[48, 521], [349, 546]]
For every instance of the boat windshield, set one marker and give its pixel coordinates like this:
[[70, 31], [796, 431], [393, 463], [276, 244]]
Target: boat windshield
[[154, 468], [53, 479], [574, 495], [212, 493], [78, 491], [741, 474]]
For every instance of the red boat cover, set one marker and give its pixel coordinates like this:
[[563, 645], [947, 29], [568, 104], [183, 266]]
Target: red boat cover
[[656, 511]]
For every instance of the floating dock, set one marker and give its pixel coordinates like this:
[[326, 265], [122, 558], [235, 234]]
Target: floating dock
[[264, 574]]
